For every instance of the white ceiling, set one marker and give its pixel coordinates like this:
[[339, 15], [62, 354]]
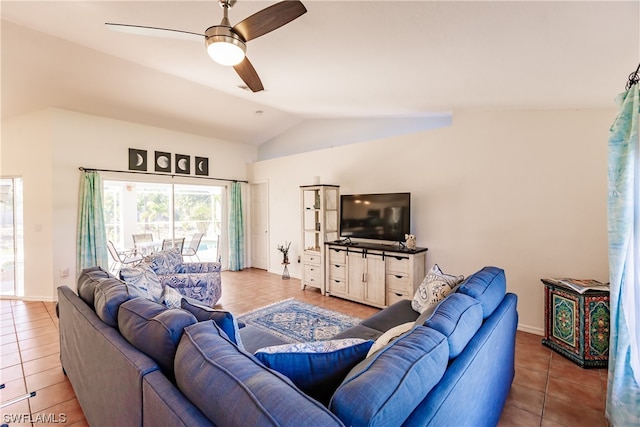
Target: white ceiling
[[341, 59]]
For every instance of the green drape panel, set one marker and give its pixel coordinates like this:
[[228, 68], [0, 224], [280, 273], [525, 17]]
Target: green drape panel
[[91, 244], [623, 390], [236, 229]]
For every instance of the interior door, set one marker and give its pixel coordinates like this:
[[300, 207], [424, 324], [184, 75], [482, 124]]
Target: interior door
[[259, 225]]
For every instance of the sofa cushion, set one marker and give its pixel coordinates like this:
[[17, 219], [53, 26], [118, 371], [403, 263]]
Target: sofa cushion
[[359, 331], [394, 315], [154, 329], [109, 294], [318, 367], [458, 318], [165, 262], [143, 278], [87, 282], [385, 388], [224, 319], [487, 286], [434, 287], [231, 387]]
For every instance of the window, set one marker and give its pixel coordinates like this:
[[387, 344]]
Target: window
[[165, 211], [11, 238]]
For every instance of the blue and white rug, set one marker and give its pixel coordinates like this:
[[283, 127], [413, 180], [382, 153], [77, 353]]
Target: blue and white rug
[[296, 321]]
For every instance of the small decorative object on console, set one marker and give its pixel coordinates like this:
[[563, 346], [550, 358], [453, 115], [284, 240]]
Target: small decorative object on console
[[410, 241]]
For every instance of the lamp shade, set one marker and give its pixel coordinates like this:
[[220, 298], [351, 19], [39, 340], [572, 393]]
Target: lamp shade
[[223, 46]]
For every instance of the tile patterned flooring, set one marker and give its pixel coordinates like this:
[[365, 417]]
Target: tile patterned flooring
[[548, 390]]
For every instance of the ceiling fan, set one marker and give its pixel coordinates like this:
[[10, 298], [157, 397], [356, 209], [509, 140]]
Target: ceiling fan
[[226, 44]]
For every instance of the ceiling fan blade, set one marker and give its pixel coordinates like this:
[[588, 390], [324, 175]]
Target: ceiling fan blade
[[248, 74], [155, 32], [269, 19]]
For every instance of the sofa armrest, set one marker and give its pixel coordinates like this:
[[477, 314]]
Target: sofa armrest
[[104, 369], [165, 405], [198, 267]]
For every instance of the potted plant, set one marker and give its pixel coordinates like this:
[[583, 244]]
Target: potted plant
[[285, 252]]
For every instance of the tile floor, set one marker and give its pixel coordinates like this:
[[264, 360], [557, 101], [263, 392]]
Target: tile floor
[[548, 390]]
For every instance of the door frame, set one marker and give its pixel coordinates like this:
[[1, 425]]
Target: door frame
[[250, 222]]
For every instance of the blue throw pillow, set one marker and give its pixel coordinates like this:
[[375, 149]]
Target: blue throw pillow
[[385, 388], [232, 388], [224, 319], [318, 367]]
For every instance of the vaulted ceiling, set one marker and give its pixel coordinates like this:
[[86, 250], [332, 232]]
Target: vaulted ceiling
[[342, 59]]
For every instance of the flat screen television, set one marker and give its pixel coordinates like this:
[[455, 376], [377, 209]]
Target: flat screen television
[[375, 216]]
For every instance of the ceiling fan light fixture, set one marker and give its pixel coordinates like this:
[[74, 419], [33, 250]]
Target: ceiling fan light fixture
[[224, 47]]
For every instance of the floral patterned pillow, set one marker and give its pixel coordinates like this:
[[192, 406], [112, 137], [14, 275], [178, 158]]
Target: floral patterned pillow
[[143, 278], [435, 286], [165, 262]]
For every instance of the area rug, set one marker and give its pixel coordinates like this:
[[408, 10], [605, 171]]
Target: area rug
[[296, 321]]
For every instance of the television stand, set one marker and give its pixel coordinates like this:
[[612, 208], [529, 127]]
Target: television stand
[[373, 273]]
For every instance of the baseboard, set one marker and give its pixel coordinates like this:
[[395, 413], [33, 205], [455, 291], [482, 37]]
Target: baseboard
[[38, 299], [531, 329]]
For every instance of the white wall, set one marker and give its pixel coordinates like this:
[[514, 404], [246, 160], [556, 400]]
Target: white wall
[[46, 149], [522, 190]]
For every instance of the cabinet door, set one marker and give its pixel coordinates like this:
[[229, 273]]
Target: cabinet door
[[375, 277], [355, 279]]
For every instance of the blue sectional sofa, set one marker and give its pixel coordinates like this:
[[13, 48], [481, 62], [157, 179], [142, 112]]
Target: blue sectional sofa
[[174, 367]]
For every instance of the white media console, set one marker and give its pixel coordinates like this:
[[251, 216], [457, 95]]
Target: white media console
[[373, 274]]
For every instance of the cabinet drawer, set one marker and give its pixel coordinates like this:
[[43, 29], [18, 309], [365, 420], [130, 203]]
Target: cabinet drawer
[[399, 283], [394, 297], [337, 286], [311, 270], [398, 264], [312, 258], [337, 256], [337, 271]]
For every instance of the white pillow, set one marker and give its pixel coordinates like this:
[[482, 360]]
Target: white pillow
[[389, 336], [435, 286], [171, 298]]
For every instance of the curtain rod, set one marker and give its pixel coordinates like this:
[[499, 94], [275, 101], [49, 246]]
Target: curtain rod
[[162, 174], [634, 78]]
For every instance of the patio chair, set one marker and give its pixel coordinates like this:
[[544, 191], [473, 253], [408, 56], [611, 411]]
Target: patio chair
[[143, 242], [192, 250], [173, 243], [142, 237], [121, 257]]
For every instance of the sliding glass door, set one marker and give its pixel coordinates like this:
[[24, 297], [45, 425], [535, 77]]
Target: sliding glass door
[[11, 238], [165, 211]]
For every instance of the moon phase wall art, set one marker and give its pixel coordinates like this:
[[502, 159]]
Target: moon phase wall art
[[183, 164], [162, 162], [137, 160], [202, 166]]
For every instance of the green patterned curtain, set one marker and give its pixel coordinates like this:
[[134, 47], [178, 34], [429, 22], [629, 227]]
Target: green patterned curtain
[[91, 244], [623, 391], [236, 229]]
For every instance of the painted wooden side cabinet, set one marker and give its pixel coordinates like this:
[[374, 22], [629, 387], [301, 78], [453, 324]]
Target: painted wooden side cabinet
[[577, 324]]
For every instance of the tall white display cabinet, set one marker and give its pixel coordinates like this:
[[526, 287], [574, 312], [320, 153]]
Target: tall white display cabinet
[[320, 224]]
